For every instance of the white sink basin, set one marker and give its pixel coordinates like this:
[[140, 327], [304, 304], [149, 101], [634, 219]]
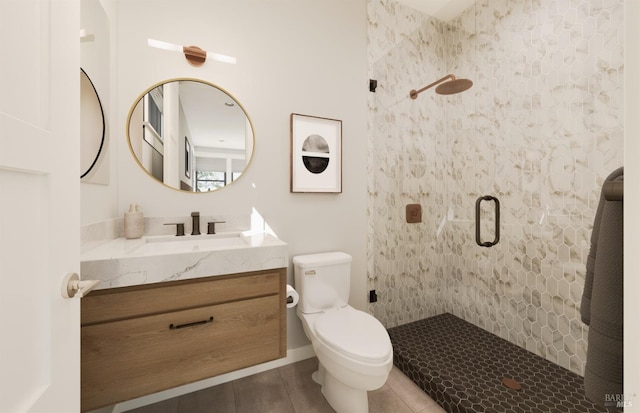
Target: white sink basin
[[189, 243]]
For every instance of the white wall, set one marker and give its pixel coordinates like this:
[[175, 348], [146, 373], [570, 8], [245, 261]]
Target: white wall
[[297, 56], [98, 201]]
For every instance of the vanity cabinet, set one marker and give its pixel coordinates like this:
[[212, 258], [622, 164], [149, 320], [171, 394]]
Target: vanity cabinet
[[143, 339]]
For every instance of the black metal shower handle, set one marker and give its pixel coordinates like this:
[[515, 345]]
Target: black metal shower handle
[[497, 227]]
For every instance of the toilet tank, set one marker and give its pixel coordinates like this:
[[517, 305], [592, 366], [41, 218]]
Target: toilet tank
[[322, 280]]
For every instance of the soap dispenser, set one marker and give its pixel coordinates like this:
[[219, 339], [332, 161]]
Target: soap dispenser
[[133, 222]]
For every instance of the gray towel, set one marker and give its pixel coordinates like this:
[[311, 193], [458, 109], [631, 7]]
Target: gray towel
[[601, 307]]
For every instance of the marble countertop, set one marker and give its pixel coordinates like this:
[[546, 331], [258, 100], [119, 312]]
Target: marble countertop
[[124, 262]]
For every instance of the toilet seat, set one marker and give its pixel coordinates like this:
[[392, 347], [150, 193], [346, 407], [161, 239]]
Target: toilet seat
[[355, 334]]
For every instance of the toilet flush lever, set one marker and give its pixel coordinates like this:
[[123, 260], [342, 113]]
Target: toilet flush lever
[[310, 272], [72, 286]]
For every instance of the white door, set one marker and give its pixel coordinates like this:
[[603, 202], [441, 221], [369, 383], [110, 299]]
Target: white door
[[39, 205]]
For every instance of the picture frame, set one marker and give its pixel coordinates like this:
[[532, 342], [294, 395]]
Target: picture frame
[[316, 154]]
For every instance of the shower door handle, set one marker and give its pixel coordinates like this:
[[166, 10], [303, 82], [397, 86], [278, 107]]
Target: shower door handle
[[497, 221]]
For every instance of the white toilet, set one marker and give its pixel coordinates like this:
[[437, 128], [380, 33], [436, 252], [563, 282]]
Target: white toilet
[[353, 347]]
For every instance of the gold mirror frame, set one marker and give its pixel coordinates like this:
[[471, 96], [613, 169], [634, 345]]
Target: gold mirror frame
[[146, 143]]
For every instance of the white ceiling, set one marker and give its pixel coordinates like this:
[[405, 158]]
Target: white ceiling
[[442, 9], [211, 122]]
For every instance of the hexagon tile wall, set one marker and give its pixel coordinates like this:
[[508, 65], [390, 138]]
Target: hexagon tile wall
[[540, 130]]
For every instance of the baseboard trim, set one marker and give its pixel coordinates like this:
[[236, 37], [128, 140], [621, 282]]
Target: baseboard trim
[[293, 356]]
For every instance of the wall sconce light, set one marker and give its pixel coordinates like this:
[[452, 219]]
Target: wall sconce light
[[194, 55]]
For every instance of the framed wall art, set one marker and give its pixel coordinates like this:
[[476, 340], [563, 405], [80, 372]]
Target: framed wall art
[[316, 154]]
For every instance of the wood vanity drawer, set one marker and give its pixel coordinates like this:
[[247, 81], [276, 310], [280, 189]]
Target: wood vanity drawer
[[130, 358], [126, 302]]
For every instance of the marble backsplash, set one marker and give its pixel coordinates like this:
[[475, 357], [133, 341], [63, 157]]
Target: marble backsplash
[[540, 129]]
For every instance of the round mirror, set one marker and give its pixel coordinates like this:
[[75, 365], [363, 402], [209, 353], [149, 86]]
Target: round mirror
[[92, 125], [190, 135]]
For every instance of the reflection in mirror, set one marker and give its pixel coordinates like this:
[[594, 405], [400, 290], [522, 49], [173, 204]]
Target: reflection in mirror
[[92, 125], [190, 135]]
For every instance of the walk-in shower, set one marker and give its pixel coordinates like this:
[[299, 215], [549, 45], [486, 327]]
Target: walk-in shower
[[540, 129]]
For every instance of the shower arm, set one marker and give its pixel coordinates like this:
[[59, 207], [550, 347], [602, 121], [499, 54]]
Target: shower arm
[[414, 93]]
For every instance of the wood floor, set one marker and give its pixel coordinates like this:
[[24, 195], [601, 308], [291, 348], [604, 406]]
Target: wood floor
[[290, 389]]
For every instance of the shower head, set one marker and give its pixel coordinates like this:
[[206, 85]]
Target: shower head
[[453, 86], [447, 88]]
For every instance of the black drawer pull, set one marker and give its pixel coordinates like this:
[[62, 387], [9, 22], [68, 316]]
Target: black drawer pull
[[195, 323]]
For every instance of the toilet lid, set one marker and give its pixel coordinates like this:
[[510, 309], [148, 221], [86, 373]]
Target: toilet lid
[[354, 333]]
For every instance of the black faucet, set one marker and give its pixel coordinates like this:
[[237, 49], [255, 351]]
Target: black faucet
[[195, 223]]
